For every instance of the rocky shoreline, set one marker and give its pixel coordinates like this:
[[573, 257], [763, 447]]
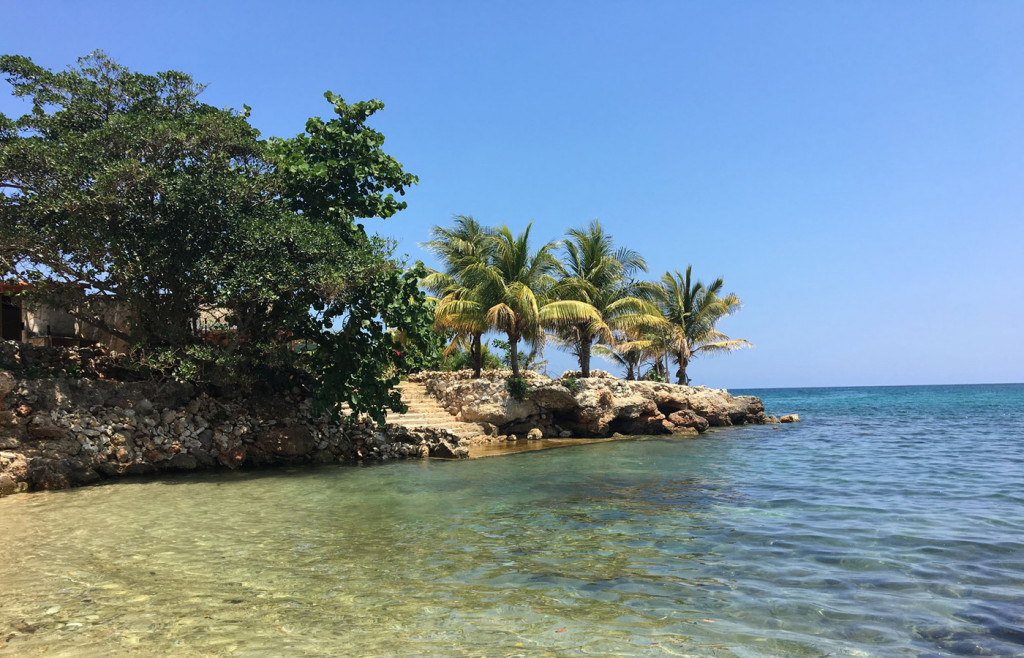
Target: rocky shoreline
[[593, 407], [59, 432]]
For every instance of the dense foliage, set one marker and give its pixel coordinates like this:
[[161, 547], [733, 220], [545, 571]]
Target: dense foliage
[[160, 220], [141, 210]]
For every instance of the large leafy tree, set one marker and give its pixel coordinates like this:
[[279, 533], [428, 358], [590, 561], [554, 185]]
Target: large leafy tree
[[461, 247], [520, 292], [692, 311], [601, 275], [370, 321], [122, 190]]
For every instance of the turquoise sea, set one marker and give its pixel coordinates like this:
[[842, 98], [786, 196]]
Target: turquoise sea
[[890, 522]]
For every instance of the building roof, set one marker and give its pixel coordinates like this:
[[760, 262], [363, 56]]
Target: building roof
[[13, 288]]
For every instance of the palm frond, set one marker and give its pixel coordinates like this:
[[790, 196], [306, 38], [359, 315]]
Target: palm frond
[[500, 317], [723, 346], [568, 311]]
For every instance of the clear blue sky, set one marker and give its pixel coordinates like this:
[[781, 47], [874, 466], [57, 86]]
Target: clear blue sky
[[855, 170]]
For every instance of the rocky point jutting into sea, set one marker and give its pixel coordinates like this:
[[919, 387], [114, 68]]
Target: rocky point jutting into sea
[[64, 431]]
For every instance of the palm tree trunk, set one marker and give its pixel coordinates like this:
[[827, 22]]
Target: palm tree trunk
[[681, 373], [585, 348], [513, 353], [476, 348], [630, 375]]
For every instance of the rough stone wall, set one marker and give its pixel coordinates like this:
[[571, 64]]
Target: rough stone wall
[[25, 360], [594, 407], [58, 433]]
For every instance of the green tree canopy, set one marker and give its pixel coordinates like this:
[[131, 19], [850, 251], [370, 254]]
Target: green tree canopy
[[122, 190]]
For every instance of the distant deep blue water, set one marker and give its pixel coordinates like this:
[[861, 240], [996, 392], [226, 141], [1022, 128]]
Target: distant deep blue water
[[890, 522]]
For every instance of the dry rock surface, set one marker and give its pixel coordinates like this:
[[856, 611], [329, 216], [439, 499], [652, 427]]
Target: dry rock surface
[[592, 407]]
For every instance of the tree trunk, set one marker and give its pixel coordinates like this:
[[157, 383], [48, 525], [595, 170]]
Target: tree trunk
[[630, 374], [681, 373], [585, 347], [513, 354], [476, 349]]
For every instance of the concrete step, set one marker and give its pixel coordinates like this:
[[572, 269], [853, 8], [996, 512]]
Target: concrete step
[[426, 411]]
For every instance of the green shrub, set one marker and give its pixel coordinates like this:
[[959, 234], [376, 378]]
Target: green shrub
[[572, 384], [518, 388]]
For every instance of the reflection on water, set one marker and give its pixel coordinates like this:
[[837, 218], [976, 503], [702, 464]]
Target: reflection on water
[[844, 535]]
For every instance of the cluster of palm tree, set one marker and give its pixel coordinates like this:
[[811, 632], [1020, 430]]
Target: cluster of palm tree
[[589, 299]]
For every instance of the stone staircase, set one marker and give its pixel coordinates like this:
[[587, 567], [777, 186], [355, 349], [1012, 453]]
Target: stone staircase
[[426, 411]]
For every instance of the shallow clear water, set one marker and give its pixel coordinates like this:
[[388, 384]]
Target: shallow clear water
[[890, 522]]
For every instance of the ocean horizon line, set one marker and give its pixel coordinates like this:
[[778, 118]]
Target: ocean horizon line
[[800, 388]]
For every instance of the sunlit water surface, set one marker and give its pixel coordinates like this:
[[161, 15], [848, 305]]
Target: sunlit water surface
[[890, 522]]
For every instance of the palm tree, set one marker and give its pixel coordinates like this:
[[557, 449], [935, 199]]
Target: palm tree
[[601, 275], [693, 311], [465, 244], [629, 355], [519, 293], [531, 360]]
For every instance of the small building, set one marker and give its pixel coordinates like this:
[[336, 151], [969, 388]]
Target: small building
[[25, 321], [38, 324]]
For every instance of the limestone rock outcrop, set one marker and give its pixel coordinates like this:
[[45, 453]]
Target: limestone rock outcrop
[[595, 407]]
